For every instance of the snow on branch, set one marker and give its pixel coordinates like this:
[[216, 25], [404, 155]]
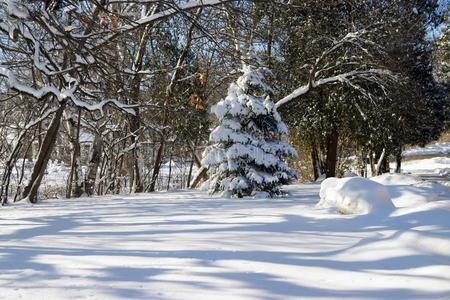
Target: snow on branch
[[171, 11], [326, 62], [356, 74], [157, 16], [60, 95]]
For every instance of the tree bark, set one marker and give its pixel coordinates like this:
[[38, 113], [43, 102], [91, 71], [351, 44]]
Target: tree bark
[[191, 166], [47, 146], [381, 165], [170, 172], [373, 170], [398, 161], [94, 162], [315, 162], [74, 184], [157, 164], [331, 159], [136, 184], [202, 174]]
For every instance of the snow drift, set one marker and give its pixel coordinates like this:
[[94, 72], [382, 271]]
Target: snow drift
[[436, 165], [397, 179], [355, 195]]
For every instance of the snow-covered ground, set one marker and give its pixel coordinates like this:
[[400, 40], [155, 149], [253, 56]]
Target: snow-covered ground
[[185, 244], [432, 149], [436, 165]]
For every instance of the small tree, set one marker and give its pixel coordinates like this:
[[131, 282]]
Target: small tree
[[246, 157]]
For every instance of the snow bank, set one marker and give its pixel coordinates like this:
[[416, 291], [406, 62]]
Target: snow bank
[[437, 165], [397, 179], [355, 195], [433, 149], [416, 194]]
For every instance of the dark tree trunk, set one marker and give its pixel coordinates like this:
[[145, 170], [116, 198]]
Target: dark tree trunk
[[385, 165], [157, 164], [398, 165], [191, 166], [331, 159], [47, 146], [315, 162], [398, 161], [170, 172]]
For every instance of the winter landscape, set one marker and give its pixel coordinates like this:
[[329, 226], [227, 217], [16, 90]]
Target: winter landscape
[[224, 149]]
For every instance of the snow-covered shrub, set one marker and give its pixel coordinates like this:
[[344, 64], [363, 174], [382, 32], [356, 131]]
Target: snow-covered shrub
[[355, 195], [246, 155]]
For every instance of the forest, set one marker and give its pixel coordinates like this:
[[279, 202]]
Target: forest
[[124, 95]]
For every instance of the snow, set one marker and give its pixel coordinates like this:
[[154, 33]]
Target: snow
[[344, 77], [437, 165], [355, 195], [170, 245], [15, 11], [417, 194], [432, 149], [397, 179]]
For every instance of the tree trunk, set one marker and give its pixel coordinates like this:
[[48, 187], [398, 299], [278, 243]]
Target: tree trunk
[[8, 168], [202, 174], [331, 159], [157, 164], [363, 167], [94, 162], [383, 164], [170, 172], [47, 146], [398, 161], [373, 170], [75, 183], [398, 164], [191, 166], [315, 162], [136, 183]]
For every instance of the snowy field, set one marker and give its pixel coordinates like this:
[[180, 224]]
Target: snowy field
[[184, 244]]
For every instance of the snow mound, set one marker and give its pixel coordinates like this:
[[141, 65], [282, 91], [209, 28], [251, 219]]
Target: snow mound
[[397, 179], [355, 195], [430, 165], [417, 194]]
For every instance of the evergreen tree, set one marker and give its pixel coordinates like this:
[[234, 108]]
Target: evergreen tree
[[246, 157]]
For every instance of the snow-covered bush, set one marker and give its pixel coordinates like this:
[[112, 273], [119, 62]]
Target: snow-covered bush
[[246, 155], [355, 195]]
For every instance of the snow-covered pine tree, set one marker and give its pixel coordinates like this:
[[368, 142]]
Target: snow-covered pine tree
[[246, 157]]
